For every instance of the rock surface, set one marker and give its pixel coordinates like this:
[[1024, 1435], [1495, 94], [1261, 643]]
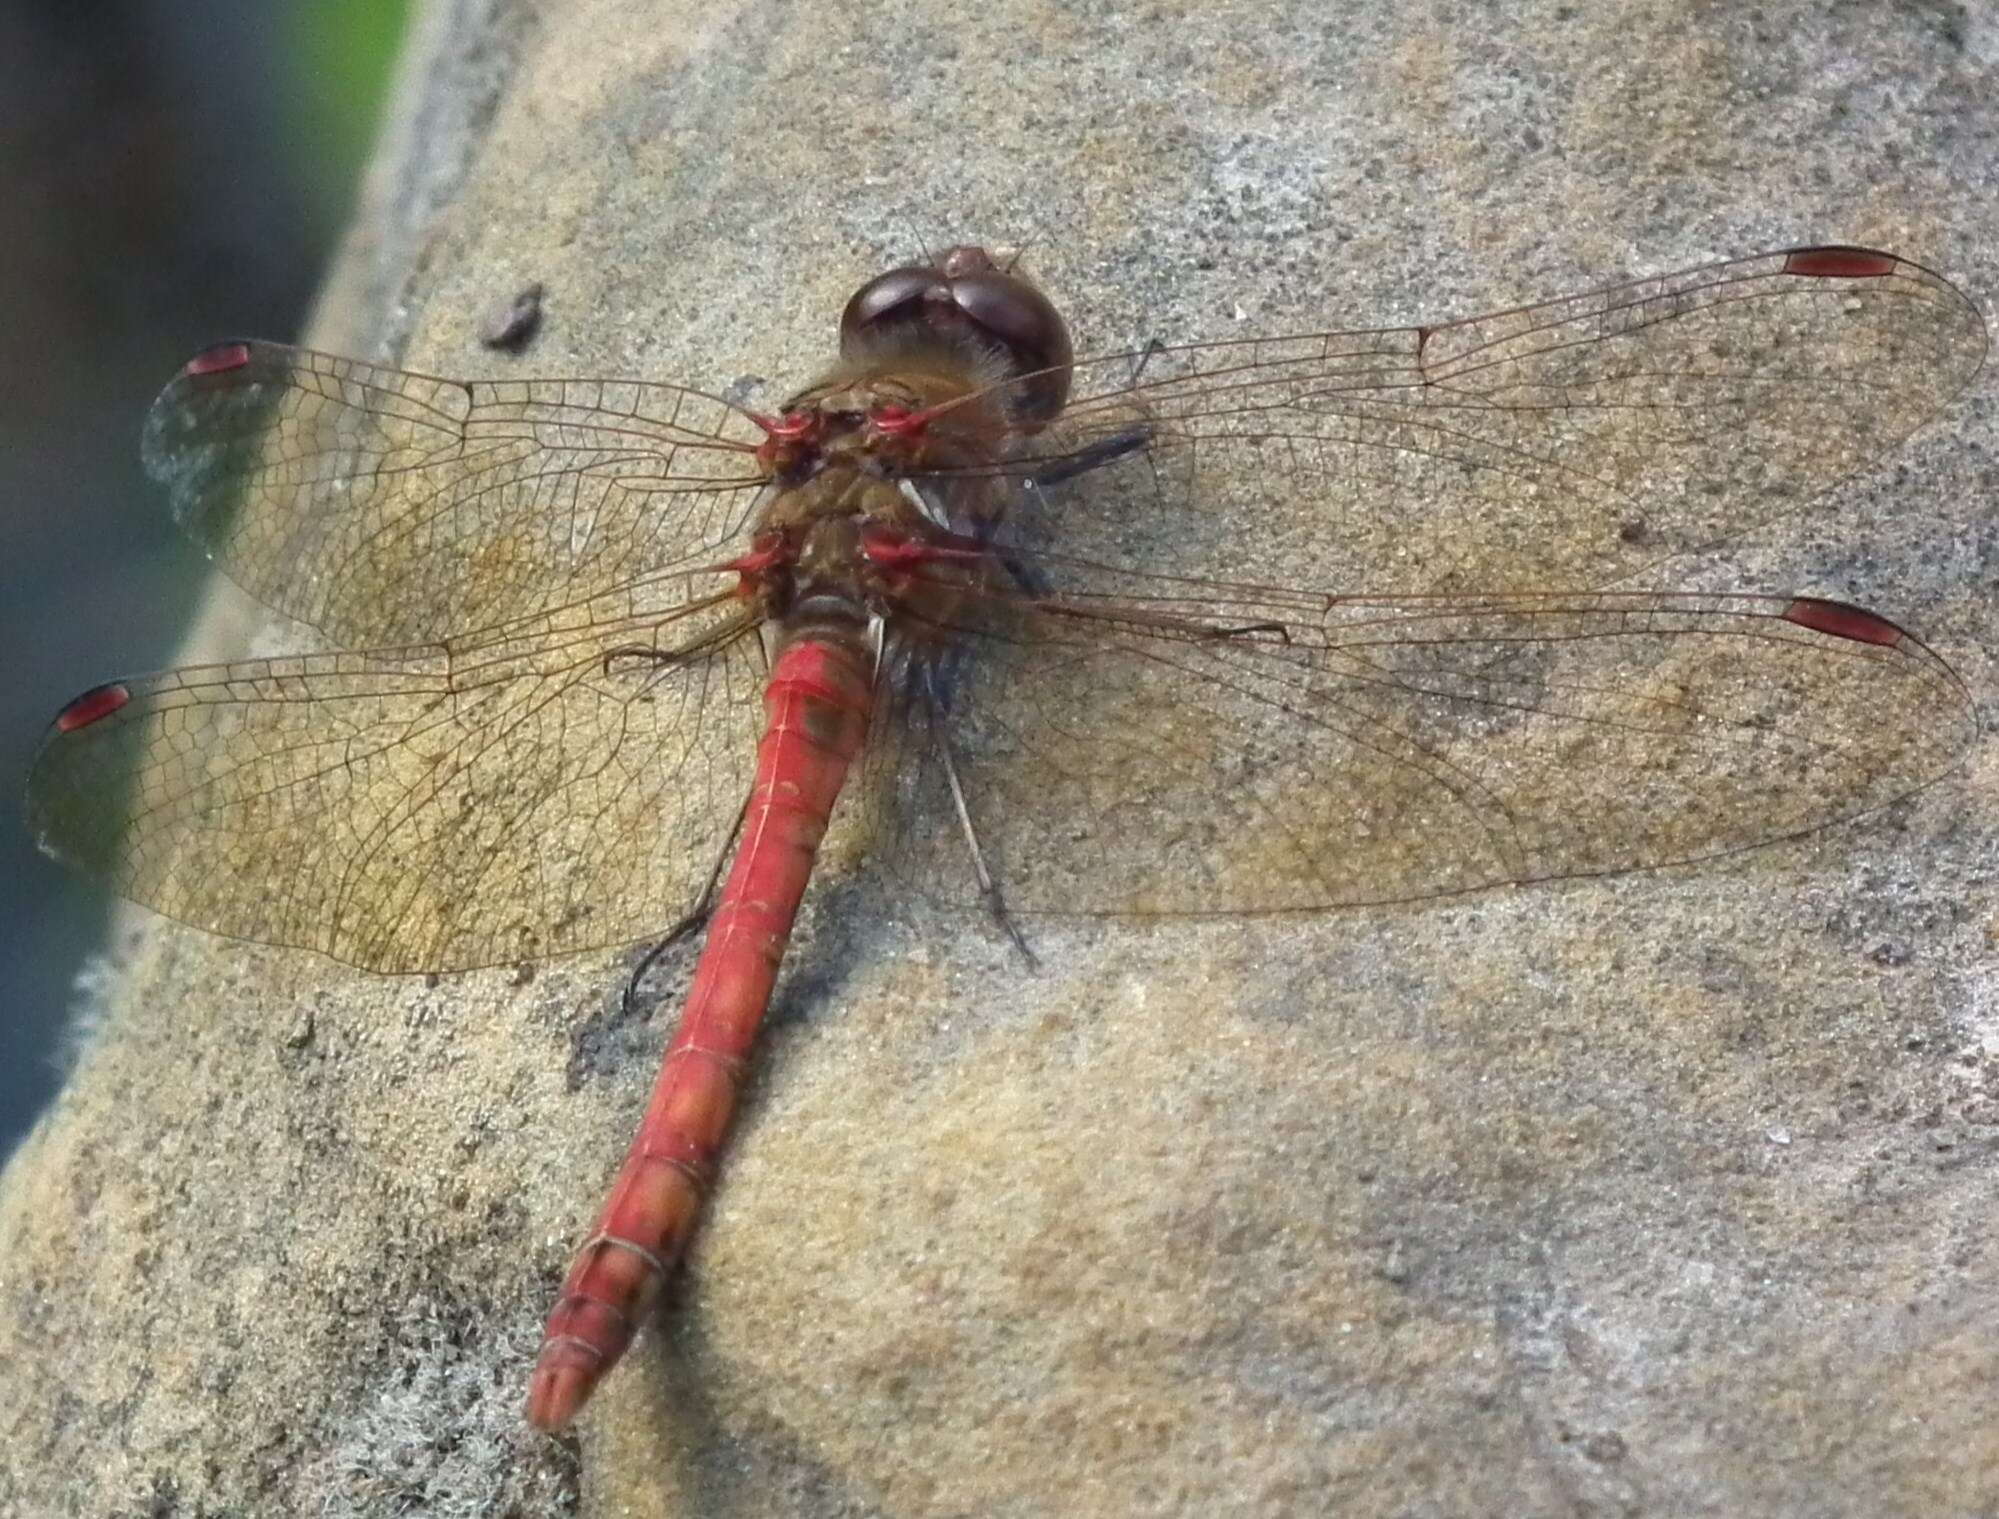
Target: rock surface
[[1665, 1195]]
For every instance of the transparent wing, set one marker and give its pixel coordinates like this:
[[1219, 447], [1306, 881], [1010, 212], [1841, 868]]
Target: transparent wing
[[1567, 443], [1166, 754], [1564, 445], [385, 508], [1187, 740], [555, 785]]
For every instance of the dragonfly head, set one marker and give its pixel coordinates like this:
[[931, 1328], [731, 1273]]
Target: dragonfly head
[[967, 303]]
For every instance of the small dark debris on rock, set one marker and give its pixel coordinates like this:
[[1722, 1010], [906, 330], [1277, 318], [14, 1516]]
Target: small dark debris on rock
[[513, 326], [1606, 1446]]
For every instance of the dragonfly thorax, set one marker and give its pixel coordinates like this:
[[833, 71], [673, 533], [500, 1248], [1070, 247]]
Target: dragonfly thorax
[[849, 546]]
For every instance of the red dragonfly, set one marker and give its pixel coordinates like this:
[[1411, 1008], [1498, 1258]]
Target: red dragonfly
[[1294, 623]]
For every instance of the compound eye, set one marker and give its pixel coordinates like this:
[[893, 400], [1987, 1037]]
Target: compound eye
[[890, 300], [965, 300], [1024, 322]]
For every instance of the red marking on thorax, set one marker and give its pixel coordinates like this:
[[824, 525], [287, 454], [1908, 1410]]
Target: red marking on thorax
[[1843, 621], [219, 359], [1839, 263], [792, 427], [889, 549], [764, 555], [95, 704], [784, 437], [892, 551], [898, 421]]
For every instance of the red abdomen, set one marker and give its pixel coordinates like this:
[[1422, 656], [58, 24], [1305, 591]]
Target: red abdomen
[[816, 708]]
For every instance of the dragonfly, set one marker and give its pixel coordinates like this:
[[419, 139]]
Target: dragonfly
[[1317, 621]]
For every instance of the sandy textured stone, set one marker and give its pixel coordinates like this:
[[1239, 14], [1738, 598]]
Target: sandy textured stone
[[1667, 1195]]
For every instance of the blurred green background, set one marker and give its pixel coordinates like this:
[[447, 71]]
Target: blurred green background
[[172, 172]]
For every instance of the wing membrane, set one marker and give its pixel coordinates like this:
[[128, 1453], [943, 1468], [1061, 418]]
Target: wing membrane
[[557, 785], [1563, 445], [1195, 738], [386, 508], [1154, 757]]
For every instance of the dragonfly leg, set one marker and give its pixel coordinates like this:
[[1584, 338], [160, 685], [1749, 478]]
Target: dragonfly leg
[[988, 887], [638, 652], [1095, 456], [690, 924], [1152, 346], [1253, 630]]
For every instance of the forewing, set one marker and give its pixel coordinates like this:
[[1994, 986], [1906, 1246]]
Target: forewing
[[386, 508], [560, 784], [1564, 445], [1159, 756]]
